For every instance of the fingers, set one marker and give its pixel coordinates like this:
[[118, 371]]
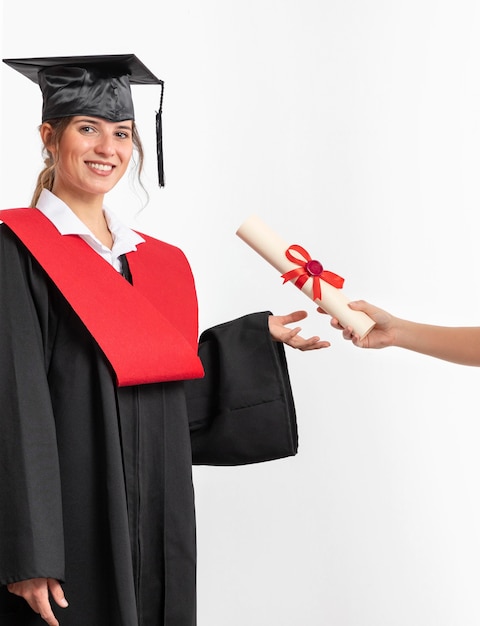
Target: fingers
[[291, 336], [291, 318], [335, 323], [370, 309], [356, 305], [46, 613], [57, 592], [348, 333], [351, 336], [359, 304], [313, 343], [36, 593], [294, 340]]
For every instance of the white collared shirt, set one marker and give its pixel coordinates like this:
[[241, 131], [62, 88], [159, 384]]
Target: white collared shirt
[[67, 223]]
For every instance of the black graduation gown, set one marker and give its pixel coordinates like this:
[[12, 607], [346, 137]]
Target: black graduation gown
[[95, 479]]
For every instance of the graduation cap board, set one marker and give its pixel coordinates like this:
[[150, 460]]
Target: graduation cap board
[[97, 85]]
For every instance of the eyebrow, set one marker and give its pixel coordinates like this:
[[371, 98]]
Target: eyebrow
[[87, 120]]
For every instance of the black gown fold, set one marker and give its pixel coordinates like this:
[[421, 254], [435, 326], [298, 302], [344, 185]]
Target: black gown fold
[[242, 411], [96, 480]]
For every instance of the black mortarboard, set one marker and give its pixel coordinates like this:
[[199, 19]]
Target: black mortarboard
[[97, 85]]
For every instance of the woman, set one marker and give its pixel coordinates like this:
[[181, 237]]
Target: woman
[[456, 344], [105, 401]]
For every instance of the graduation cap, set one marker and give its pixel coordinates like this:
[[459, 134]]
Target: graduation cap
[[97, 85]]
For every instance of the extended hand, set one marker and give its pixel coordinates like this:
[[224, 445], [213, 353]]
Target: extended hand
[[382, 334], [36, 592], [290, 336]]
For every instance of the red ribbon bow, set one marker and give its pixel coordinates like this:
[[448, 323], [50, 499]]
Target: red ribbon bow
[[309, 268]]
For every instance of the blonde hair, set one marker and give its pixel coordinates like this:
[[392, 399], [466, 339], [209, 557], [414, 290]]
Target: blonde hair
[[46, 177]]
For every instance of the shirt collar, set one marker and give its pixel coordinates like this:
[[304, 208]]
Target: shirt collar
[[67, 223]]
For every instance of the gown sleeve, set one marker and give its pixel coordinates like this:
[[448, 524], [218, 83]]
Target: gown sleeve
[[242, 411], [31, 532]]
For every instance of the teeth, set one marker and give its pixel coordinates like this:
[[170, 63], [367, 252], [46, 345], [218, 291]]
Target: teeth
[[100, 166]]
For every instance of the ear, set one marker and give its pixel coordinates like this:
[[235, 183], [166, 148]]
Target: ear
[[47, 134]]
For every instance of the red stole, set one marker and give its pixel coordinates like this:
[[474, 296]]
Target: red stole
[[148, 331]]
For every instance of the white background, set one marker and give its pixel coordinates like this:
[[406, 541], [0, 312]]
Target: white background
[[351, 127]]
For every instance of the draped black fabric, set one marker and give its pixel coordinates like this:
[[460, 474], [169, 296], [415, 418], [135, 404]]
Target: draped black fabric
[[95, 481]]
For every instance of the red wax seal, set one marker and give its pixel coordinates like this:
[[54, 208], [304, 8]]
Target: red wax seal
[[314, 268], [310, 268]]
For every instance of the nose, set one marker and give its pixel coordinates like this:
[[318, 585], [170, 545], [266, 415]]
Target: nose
[[105, 146]]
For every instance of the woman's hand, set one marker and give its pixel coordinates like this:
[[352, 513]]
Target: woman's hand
[[382, 334], [36, 592], [290, 336]]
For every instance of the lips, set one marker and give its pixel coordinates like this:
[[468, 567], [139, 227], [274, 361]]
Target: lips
[[101, 167]]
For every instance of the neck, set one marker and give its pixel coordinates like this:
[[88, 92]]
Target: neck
[[89, 209]]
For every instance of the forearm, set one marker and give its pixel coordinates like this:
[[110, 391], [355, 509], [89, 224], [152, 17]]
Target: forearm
[[456, 344]]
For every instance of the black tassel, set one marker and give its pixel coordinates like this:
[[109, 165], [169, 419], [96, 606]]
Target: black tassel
[[161, 173]]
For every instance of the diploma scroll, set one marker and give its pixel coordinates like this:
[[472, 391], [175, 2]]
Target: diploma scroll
[[275, 251]]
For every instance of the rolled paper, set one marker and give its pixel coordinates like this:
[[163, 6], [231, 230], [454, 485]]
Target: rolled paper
[[295, 265]]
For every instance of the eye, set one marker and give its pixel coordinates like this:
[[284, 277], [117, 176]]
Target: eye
[[87, 130], [122, 134]]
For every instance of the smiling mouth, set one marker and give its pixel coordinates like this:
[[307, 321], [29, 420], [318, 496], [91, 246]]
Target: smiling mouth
[[102, 167]]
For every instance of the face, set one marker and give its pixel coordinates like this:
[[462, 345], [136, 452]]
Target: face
[[93, 155]]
